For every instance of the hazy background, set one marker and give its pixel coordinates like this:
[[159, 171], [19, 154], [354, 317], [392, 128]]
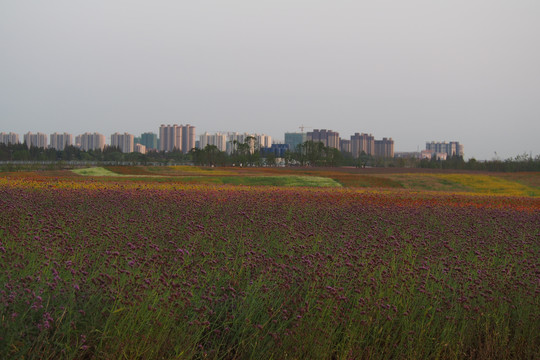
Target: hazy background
[[416, 70]]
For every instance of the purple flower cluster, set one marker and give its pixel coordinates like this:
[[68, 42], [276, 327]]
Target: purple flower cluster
[[225, 272]]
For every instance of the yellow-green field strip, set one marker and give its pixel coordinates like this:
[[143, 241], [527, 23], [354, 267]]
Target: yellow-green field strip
[[282, 180]]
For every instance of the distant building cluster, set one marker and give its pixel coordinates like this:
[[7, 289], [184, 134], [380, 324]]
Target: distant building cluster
[[442, 150], [356, 145], [228, 142], [37, 140], [9, 138], [182, 138], [172, 137]]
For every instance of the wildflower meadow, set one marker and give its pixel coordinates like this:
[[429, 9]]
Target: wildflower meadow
[[95, 269]]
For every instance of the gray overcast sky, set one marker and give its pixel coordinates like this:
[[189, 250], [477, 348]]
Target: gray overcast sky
[[415, 70]]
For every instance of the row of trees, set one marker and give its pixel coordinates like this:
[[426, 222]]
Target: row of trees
[[247, 154], [242, 154], [524, 162], [21, 152]]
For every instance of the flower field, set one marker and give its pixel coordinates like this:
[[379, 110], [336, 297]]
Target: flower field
[[163, 270]]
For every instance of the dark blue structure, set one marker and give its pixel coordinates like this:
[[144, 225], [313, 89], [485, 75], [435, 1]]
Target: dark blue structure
[[277, 149]]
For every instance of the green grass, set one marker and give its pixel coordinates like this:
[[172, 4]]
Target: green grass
[[281, 181], [286, 181], [477, 183], [95, 171], [427, 182]]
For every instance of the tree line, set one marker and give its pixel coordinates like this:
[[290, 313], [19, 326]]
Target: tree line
[[248, 153], [312, 153], [21, 152]]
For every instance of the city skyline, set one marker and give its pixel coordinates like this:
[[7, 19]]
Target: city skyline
[[183, 138], [281, 139], [416, 71]]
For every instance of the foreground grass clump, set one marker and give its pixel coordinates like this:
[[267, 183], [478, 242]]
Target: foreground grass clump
[[95, 171], [153, 271]]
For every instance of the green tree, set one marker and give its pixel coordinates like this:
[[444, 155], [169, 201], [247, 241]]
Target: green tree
[[270, 159]]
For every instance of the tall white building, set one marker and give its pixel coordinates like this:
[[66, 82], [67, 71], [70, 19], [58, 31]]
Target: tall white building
[[123, 141], [234, 139], [188, 138], [451, 149], [170, 137], [9, 138], [255, 141], [264, 141], [180, 137], [37, 140], [89, 141], [60, 141], [219, 140]]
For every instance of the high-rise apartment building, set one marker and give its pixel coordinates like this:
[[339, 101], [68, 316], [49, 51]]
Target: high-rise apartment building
[[460, 151], [255, 141], [188, 138], [170, 137], [452, 148], [123, 141], [37, 140], [9, 138], [219, 140], [140, 148], [295, 139], [329, 138], [60, 141], [362, 143], [178, 137], [345, 145], [384, 148], [90, 141], [149, 140], [428, 154], [264, 141], [234, 139]]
